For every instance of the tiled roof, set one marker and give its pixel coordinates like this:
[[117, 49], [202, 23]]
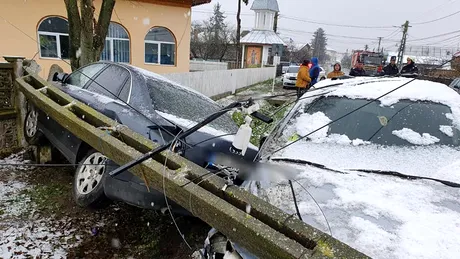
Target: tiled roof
[[262, 37], [200, 2]]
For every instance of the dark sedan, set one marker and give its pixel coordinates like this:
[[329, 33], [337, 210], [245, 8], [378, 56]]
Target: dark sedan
[[148, 104]]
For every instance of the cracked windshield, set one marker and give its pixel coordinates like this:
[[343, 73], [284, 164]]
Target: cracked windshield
[[235, 129]]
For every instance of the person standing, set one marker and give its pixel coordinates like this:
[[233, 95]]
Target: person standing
[[391, 69], [314, 71], [358, 70], [410, 68], [303, 79], [337, 71]]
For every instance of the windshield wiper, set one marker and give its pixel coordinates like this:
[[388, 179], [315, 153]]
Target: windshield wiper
[[305, 162], [406, 176]]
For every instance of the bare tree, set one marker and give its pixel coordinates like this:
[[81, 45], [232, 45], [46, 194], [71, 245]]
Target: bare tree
[[212, 39], [86, 32]]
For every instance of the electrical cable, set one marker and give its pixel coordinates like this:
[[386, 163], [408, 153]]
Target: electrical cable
[[317, 204], [295, 200], [435, 20], [343, 116]]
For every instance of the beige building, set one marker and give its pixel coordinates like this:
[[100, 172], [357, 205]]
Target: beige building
[[151, 34]]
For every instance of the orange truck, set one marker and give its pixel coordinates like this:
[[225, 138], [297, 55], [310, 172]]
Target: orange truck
[[373, 61]]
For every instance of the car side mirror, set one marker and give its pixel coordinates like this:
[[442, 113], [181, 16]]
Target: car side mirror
[[60, 77]]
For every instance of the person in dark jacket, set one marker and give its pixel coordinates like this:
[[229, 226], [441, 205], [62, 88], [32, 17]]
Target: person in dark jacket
[[410, 68], [391, 69], [358, 70], [314, 71]]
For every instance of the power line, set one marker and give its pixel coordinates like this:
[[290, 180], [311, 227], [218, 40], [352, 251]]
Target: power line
[[435, 8], [438, 19], [307, 21], [336, 25], [435, 36], [328, 35]]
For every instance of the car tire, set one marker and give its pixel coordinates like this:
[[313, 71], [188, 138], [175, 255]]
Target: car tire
[[31, 133], [88, 189]]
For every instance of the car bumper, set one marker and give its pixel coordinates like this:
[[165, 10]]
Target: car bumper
[[289, 83]]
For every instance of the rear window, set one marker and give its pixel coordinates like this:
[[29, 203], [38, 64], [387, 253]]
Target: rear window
[[293, 69], [180, 102]]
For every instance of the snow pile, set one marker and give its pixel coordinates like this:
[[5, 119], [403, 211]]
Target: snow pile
[[382, 216], [341, 140], [414, 137], [447, 130], [307, 123]]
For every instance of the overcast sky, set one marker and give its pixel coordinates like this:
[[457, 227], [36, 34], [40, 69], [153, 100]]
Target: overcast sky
[[370, 13]]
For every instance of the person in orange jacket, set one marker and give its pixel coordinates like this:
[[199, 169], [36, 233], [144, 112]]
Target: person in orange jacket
[[303, 78], [337, 71]]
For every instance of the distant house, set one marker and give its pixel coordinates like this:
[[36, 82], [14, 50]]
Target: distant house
[[151, 34], [262, 43]]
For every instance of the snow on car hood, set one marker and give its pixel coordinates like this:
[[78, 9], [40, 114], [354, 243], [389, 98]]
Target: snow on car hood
[[381, 216]]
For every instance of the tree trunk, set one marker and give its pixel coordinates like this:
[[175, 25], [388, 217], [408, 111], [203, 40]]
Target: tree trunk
[[74, 32], [238, 35], [87, 36]]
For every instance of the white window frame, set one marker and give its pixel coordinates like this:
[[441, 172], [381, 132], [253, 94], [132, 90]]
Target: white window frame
[[159, 52], [110, 39], [58, 43]]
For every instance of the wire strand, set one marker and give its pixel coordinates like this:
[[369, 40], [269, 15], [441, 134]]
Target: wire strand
[[345, 115]]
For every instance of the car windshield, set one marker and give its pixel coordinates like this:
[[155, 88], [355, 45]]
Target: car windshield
[[293, 69], [405, 123], [372, 60], [180, 102]]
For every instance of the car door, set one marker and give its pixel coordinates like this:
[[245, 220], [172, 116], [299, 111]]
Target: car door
[[58, 135]]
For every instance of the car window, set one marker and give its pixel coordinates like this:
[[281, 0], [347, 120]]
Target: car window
[[124, 94], [83, 75], [175, 100], [293, 69], [110, 81], [376, 123]]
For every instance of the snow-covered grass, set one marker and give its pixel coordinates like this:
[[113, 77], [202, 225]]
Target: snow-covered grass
[[24, 233]]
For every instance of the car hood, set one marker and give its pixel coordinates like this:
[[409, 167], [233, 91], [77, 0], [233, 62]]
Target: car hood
[[441, 162], [381, 216]]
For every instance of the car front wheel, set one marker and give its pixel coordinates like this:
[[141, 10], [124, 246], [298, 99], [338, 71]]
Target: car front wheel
[[88, 190], [31, 133]]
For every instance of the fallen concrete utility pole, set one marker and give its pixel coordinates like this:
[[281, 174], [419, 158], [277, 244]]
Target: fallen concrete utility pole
[[266, 231]]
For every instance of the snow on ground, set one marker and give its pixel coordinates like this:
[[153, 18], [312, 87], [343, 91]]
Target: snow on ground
[[414, 137], [23, 232], [381, 216]]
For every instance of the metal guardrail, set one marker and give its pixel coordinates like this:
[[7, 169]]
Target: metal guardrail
[[265, 231]]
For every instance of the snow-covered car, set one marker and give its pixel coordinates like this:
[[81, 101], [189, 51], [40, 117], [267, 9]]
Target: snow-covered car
[[147, 103], [290, 77], [386, 173]]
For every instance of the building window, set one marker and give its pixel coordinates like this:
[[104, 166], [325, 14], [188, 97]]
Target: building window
[[116, 46], [160, 47], [53, 35]]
